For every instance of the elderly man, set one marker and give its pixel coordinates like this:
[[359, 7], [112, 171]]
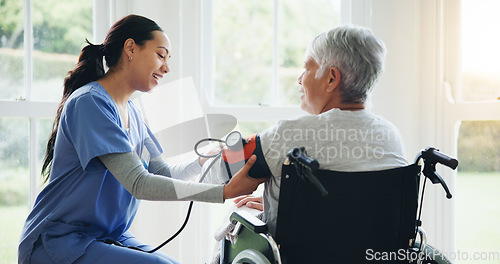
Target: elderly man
[[340, 70]]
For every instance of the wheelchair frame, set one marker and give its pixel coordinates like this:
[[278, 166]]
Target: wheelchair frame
[[255, 245]]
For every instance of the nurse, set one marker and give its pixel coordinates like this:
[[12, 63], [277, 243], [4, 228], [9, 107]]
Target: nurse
[[102, 159]]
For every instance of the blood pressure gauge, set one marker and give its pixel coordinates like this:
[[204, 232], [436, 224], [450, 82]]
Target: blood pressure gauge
[[235, 141]]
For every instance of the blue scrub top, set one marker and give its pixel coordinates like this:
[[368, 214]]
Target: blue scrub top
[[83, 201]]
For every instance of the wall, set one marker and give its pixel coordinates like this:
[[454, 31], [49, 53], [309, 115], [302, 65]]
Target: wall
[[397, 95], [411, 95]]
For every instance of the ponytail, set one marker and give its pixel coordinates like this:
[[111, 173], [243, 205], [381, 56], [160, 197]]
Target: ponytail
[[90, 68]]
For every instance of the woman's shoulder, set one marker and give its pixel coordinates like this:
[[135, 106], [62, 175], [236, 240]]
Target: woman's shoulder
[[89, 89], [90, 94]]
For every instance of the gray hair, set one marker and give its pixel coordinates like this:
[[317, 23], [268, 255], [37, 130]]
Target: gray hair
[[356, 52]]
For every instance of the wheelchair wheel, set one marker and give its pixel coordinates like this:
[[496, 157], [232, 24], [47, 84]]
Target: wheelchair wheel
[[250, 256], [432, 256]]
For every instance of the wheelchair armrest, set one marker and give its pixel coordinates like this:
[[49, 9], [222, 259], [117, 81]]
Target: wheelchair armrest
[[249, 221]]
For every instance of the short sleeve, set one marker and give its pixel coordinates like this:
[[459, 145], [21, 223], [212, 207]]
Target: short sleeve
[[274, 147], [93, 124], [152, 144], [152, 148]]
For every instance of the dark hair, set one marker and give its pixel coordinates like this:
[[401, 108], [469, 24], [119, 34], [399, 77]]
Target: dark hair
[[90, 66]]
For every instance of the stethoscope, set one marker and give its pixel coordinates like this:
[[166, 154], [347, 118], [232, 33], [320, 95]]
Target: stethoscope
[[234, 141]]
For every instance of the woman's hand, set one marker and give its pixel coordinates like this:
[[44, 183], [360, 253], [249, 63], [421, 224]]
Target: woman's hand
[[250, 201], [241, 183]]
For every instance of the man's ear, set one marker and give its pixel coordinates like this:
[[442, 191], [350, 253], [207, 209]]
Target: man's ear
[[333, 79]]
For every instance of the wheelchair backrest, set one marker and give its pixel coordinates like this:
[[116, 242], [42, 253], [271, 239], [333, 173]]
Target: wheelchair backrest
[[363, 213]]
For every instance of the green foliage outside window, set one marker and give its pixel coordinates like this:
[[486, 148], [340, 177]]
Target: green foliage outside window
[[479, 146], [59, 32], [244, 40], [66, 22]]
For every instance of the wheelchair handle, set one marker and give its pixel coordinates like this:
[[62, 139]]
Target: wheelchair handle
[[300, 155], [309, 165], [431, 157], [310, 176], [434, 156], [430, 172]]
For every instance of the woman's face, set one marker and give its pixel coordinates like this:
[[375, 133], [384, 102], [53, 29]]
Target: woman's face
[[150, 62]]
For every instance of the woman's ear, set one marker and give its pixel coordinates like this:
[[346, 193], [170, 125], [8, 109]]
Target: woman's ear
[[333, 79], [128, 48]]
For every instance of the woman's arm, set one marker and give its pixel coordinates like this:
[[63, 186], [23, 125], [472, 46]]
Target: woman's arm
[[129, 171], [184, 171]]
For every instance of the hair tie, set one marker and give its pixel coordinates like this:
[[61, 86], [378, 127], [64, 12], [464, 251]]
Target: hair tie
[[101, 49], [98, 49]]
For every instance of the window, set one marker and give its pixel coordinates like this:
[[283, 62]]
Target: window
[[476, 86], [257, 52], [12, 50], [259, 48], [39, 43], [480, 69], [59, 31], [477, 188], [14, 184]]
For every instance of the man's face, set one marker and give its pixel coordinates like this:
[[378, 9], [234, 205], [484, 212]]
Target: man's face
[[314, 91]]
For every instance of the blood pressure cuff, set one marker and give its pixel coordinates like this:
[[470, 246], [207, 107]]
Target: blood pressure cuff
[[234, 160]]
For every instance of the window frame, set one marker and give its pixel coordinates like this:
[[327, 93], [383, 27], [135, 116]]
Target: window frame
[[460, 109], [25, 107], [256, 112], [442, 108]]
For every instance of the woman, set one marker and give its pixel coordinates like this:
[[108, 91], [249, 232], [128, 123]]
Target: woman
[[102, 158]]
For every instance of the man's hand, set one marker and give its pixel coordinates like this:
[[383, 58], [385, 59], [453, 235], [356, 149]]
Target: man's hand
[[250, 201], [241, 183]]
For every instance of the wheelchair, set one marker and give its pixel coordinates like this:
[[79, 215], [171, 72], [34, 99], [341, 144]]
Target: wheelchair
[[342, 217]]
